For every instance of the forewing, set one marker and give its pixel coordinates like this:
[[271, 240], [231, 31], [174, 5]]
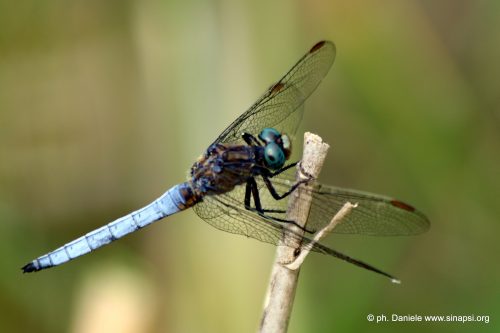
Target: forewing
[[279, 106]]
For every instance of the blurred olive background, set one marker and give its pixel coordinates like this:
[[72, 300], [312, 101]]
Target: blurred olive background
[[105, 104]]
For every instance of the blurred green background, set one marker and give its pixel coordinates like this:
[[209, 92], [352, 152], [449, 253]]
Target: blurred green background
[[105, 104]]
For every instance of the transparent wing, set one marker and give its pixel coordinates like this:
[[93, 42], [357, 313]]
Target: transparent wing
[[279, 107], [376, 214], [227, 213]]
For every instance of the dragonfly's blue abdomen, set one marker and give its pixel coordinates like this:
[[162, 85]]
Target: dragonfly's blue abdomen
[[174, 200]]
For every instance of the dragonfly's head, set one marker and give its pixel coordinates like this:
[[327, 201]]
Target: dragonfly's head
[[277, 148]]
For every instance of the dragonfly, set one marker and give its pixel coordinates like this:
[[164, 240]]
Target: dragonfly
[[247, 163]]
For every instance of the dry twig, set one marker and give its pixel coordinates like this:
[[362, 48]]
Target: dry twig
[[284, 276]]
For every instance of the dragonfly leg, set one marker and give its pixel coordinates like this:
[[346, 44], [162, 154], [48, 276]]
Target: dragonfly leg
[[266, 175], [250, 139], [248, 192], [286, 167], [265, 171], [287, 221], [251, 188], [275, 193]]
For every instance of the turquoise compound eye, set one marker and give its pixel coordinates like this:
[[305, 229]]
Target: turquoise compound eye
[[274, 156], [269, 135]]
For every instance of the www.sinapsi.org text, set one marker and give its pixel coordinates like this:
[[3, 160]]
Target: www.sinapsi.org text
[[382, 318]]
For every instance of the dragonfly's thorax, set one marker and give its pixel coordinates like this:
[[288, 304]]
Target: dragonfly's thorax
[[225, 166]]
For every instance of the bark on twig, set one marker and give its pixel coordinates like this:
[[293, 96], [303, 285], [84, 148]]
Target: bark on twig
[[281, 290]]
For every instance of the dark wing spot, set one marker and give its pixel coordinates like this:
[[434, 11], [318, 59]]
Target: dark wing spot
[[402, 205], [317, 46], [277, 88]]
